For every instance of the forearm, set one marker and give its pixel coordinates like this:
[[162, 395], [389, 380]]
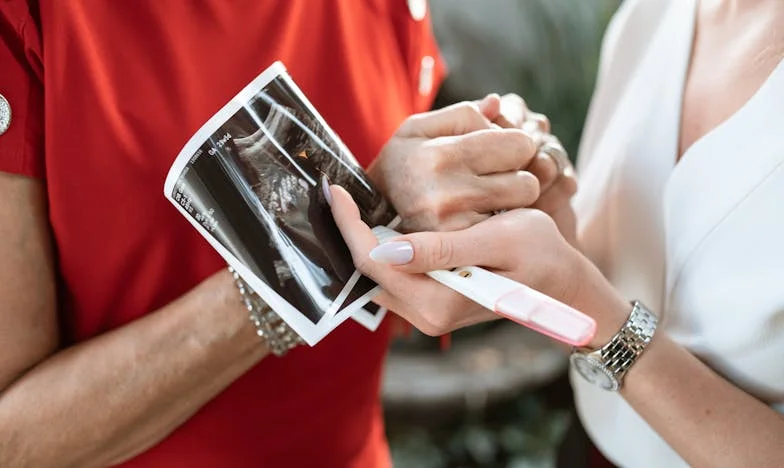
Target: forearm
[[113, 396], [702, 416], [705, 418]]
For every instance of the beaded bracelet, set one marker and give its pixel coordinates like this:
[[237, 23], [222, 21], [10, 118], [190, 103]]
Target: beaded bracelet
[[276, 333]]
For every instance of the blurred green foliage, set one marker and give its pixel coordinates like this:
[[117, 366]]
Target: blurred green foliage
[[520, 433], [544, 50]]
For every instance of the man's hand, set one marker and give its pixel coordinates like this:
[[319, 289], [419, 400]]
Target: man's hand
[[452, 168]]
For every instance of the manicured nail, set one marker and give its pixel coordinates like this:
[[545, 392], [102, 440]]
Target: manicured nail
[[325, 188], [393, 253]]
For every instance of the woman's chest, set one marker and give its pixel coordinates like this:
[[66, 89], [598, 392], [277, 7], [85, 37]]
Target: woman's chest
[[729, 63]]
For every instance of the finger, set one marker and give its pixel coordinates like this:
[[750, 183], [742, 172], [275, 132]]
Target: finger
[[513, 111], [490, 106], [358, 236], [557, 195], [505, 191], [551, 146], [399, 285], [544, 169], [452, 310], [493, 151], [536, 122], [457, 119], [477, 245]]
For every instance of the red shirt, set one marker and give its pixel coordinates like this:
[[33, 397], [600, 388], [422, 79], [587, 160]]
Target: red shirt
[[105, 93]]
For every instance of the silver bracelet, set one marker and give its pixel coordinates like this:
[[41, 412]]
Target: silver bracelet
[[279, 337]]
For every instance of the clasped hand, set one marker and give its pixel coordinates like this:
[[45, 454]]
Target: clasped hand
[[448, 171], [452, 168]]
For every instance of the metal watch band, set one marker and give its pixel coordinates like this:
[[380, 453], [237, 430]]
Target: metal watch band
[[629, 343], [276, 333]]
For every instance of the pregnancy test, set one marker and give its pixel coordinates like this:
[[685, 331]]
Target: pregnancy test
[[513, 300]]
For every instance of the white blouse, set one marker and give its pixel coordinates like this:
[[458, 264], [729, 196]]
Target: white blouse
[[700, 242]]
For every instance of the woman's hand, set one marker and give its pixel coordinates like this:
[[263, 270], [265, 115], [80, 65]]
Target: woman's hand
[[557, 179], [522, 244], [451, 168]]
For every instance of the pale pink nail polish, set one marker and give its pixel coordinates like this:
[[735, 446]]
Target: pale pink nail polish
[[393, 253], [325, 189]]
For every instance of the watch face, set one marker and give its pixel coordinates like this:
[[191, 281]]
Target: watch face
[[593, 371]]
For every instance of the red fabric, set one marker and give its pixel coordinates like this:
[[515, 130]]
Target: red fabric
[[105, 93]]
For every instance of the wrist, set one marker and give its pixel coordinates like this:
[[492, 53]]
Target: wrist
[[660, 350], [596, 297], [219, 320], [607, 366], [271, 329]]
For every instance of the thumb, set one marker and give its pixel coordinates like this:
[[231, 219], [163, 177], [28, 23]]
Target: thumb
[[428, 251], [358, 236]]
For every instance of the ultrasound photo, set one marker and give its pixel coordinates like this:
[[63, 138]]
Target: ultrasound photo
[[252, 182]]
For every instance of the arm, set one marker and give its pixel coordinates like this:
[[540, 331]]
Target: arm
[[149, 376], [705, 418], [153, 374], [696, 411]]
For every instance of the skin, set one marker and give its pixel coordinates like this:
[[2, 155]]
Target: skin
[[670, 388], [465, 170], [149, 376], [153, 374]]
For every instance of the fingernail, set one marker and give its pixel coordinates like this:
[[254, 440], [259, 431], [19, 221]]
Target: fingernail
[[325, 189], [393, 253]]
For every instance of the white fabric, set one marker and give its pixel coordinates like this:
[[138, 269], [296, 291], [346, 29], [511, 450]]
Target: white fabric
[[700, 242]]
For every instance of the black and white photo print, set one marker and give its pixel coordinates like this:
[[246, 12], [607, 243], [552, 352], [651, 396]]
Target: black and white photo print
[[252, 181]]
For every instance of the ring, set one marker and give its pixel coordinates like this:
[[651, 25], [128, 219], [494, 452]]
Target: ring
[[553, 148], [547, 144]]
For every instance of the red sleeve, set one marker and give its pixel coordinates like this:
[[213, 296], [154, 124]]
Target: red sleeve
[[21, 146]]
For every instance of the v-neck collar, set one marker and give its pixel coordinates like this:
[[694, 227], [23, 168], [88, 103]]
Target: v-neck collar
[[644, 152], [719, 170], [683, 77], [676, 51]]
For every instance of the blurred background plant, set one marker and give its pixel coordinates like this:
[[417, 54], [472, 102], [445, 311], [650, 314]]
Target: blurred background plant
[[544, 50], [499, 397]]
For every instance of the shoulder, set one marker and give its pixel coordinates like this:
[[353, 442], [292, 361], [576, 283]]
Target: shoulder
[[630, 29], [626, 40]]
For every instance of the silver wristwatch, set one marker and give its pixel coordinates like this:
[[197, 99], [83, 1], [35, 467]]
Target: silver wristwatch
[[607, 366]]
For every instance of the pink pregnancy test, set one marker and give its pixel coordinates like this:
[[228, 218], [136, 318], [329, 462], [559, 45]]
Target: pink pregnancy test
[[513, 300]]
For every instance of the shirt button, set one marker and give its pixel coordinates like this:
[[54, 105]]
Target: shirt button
[[426, 75], [418, 9], [5, 114]]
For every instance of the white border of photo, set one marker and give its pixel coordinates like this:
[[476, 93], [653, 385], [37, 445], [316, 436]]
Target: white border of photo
[[311, 333]]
